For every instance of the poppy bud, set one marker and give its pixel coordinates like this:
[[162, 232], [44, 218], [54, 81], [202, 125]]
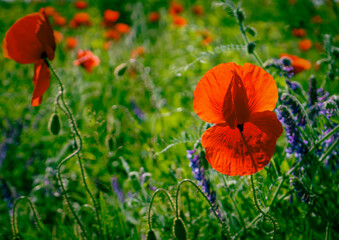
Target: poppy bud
[[179, 229], [240, 15], [120, 70], [54, 124], [251, 31], [250, 47], [151, 235]]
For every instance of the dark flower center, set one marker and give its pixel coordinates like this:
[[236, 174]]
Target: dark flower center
[[240, 127]]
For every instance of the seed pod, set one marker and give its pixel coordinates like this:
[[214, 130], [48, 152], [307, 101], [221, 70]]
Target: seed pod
[[54, 124], [251, 47], [179, 229], [251, 31], [151, 235], [120, 70]]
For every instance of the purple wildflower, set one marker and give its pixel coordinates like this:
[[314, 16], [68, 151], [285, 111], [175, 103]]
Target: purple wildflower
[[199, 175], [296, 109], [117, 190], [137, 111], [283, 65], [297, 146]]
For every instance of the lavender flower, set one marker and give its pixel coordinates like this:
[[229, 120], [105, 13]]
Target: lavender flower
[[297, 146], [293, 85], [117, 190], [137, 111], [199, 175], [296, 109], [283, 65]]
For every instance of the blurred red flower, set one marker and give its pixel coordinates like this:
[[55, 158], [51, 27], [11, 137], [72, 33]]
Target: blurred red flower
[[87, 60], [110, 17], [79, 19], [80, 4], [58, 36], [298, 64], [153, 17], [239, 101], [198, 10], [317, 19], [59, 20], [175, 8], [207, 37], [122, 28], [71, 42], [298, 32], [112, 34], [138, 52], [50, 11], [305, 44], [29, 40], [179, 21]]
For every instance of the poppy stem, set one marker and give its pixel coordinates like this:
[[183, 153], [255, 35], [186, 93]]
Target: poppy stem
[[258, 207], [224, 226], [78, 137], [152, 199], [15, 228]]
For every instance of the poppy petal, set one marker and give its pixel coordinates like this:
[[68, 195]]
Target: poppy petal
[[41, 81], [261, 89], [44, 33], [268, 123], [228, 154], [240, 100], [20, 42], [228, 108], [210, 92]]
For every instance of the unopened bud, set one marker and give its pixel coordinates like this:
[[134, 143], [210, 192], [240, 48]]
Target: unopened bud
[[251, 47]]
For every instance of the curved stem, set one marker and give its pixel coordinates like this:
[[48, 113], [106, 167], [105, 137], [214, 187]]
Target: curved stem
[[199, 190], [77, 136], [150, 206], [258, 207], [15, 228]]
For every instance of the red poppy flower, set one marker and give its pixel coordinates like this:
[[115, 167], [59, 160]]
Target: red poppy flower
[[87, 60], [107, 45], [30, 40], [58, 36], [207, 37], [59, 20], [317, 19], [198, 10], [122, 28], [138, 52], [71, 42], [79, 19], [110, 17], [305, 44], [179, 21], [175, 8], [50, 11], [154, 17], [299, 32], [80, 4], [112, 34], [239, 100], [298, 64]]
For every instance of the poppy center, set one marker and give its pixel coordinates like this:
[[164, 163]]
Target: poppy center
[[240, 127], [44, 55]]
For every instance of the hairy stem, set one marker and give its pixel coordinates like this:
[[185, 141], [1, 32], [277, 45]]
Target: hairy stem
[[152, 199], [78, 137], [200, 191]]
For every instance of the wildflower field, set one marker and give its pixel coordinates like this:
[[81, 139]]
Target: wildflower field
[[169, 119]]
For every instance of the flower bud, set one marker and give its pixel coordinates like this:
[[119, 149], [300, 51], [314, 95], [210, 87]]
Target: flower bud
[[151, 235], [251, 31], [120, 70], [54, 124], [179, 229], [250, 47]]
